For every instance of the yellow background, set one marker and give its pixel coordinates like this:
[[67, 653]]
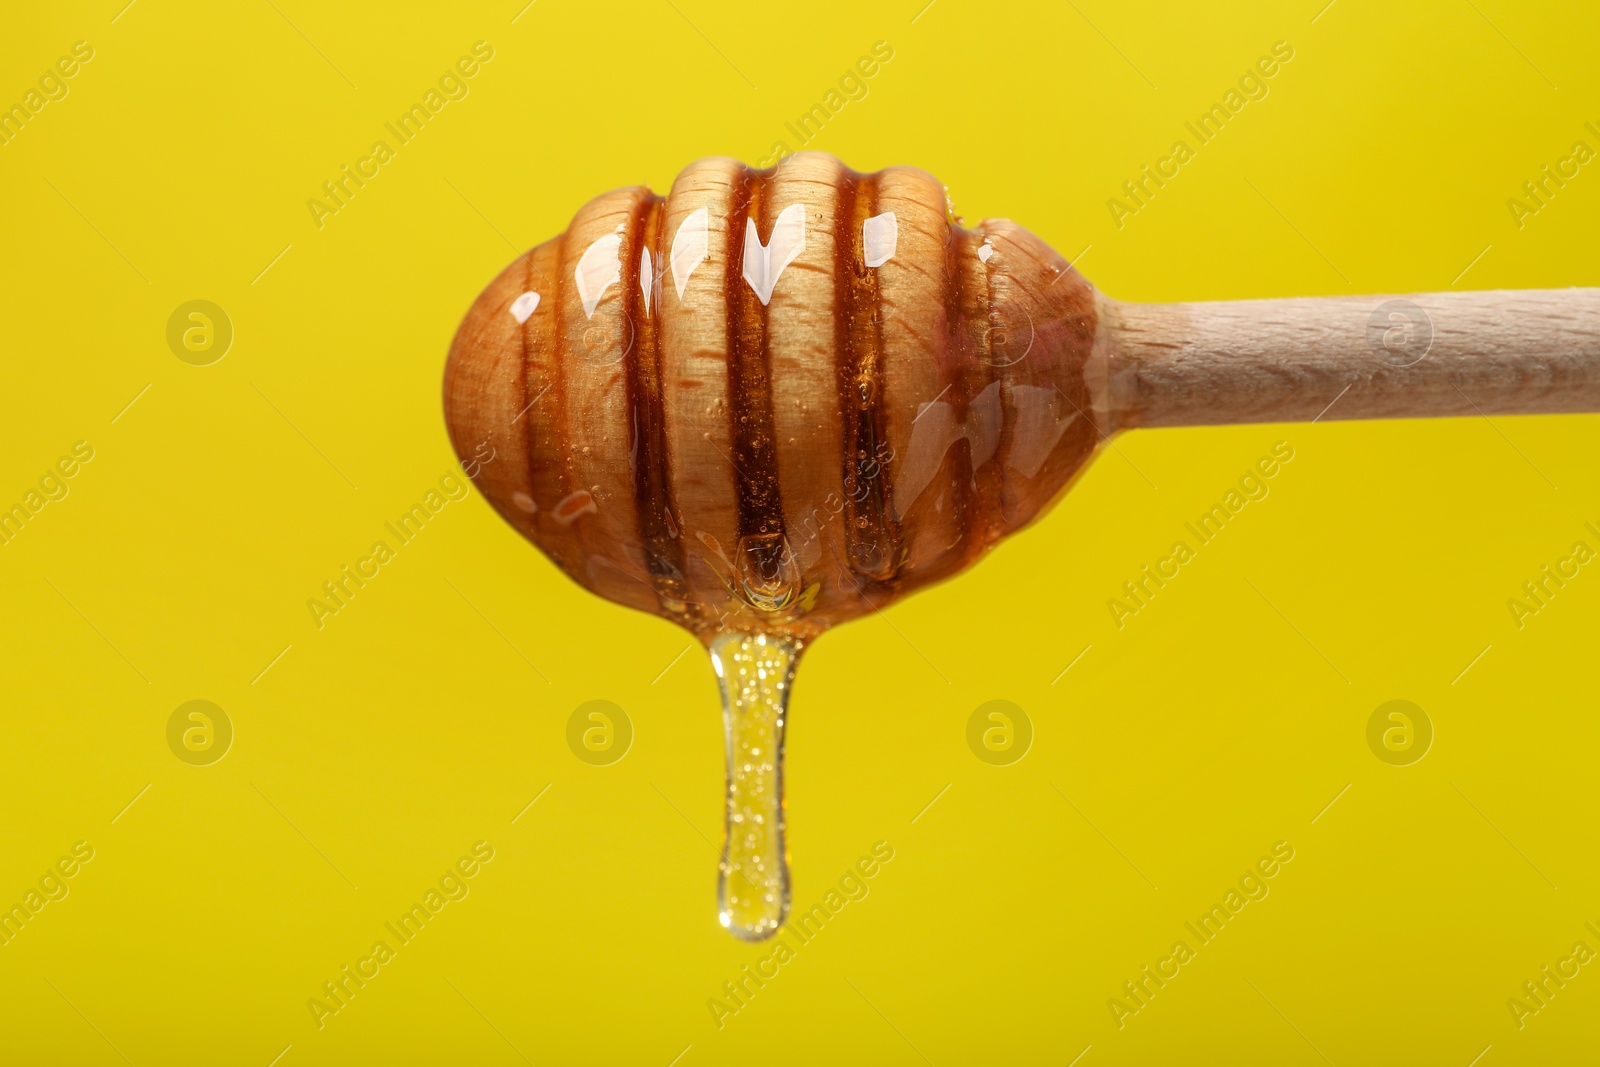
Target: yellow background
[[374, 752]]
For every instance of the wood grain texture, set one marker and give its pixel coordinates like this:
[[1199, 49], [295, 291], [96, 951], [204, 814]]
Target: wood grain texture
[[1490, 353], [773, 401], [775, 448]]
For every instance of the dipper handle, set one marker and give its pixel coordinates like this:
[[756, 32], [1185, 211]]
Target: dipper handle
[[1508, 352]]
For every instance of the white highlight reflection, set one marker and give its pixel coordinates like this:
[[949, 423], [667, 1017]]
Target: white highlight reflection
[[647, 277], [1039, 427], [1036, 430], [599, 268], [879, 236], [689, 247], [764, 264], [524, 305]]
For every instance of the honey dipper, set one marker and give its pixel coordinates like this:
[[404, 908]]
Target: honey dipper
[[778, 400]]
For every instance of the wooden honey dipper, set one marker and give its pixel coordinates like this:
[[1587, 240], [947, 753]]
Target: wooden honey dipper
[[778, 400]]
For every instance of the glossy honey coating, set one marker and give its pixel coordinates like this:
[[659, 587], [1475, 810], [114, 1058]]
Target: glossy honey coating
[[775, 400]]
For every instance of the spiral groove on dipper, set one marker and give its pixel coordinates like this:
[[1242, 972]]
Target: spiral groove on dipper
[[775, 400], [752, 422]]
